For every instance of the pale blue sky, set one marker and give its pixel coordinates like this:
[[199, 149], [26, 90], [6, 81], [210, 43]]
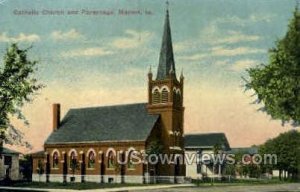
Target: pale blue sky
[[214, 42]]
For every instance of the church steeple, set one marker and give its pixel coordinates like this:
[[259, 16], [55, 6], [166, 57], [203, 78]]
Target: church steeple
[[166, 58]]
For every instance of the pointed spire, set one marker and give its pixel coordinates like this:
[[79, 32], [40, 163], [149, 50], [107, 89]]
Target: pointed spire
[[150, 73], [150, 70], [166, 58], [181, 74]]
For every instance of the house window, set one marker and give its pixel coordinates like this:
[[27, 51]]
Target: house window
[[155, 97], [8, 160], [55, 160], [164, 96], [110, 160], [73, 160], [91, 160], [130, 161]]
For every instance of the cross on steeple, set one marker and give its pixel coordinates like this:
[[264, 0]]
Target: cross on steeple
[[167, 5]]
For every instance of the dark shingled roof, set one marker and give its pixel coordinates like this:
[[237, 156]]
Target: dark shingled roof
[[244, 150], [109, 123], [8, 151], [38, 153], [205, 140]]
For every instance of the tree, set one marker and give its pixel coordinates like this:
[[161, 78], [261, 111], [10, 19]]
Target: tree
[[277, 84], [154, 148], [17, 86], [287, 148]]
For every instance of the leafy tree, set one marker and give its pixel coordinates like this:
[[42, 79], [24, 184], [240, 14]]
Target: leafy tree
[[155, 147], [277, 84], [287, 148], [217, 150], [17, 86]]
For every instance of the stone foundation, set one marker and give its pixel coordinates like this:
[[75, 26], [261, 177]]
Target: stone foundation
[[109, 178]]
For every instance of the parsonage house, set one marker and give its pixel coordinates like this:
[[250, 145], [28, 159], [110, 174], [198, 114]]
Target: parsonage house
[[90, 144], [201, 145], [9, 164]]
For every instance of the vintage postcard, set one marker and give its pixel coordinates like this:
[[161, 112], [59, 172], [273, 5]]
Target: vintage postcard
[[144, 95]]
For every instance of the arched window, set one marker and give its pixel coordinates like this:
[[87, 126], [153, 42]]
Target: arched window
[[55, 160], [110, 160], [174, 96], [91, 160], [178, 97], [164, 95], [130, 162], [156, 97], [73, 160]]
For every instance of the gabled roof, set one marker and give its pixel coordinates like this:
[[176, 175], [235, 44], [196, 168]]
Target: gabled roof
[[109, 123], [7, 151], [205, 141], [244, 150], [38, 154]]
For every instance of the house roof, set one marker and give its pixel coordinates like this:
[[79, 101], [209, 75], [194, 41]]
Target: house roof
[[109, 123], [7, 151], [38, 154], [205, 140], [245, 150]]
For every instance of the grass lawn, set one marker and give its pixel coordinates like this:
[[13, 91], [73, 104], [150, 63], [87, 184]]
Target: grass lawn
[[76, 186]]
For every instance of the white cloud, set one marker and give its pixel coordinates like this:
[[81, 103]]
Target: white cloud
[[260, 18], [69, 35], [243, 64], [20, 38], [221, 51], [88, 52], [179, 46], [194, 57], [133, 39], [236, 37], [253, 18], [221, 62]]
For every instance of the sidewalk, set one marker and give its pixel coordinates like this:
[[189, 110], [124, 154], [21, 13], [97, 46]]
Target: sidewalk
[[103, 190]]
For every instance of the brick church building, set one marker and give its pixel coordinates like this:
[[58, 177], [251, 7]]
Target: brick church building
[[89, 143]]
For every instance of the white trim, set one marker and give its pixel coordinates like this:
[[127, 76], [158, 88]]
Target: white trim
[[55, 150], [155, 88], [73, 150], [177, 90], [91, 150], [111, 150], [176, 148], [165, 87]]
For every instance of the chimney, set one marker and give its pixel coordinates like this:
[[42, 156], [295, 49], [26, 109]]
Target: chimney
[[56, 116]]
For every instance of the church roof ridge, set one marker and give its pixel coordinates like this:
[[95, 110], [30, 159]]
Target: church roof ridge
[[108, 106]]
